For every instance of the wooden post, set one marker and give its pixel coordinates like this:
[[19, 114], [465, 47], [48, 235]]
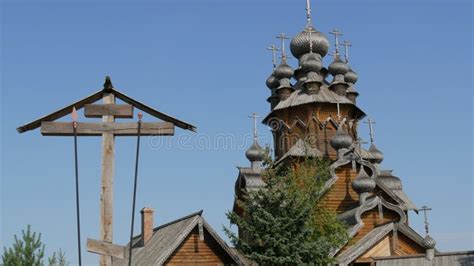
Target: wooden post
[[106, 193]]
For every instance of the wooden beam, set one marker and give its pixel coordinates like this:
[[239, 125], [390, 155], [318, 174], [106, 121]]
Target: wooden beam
[[147, 109], [107, 183], [117, 110], [116, 129], [104, 248], [61, 112]]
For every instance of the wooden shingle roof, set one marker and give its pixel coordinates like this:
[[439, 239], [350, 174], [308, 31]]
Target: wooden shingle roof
[[167, 238]]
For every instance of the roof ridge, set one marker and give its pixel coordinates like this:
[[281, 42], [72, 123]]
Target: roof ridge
[[198, 213]]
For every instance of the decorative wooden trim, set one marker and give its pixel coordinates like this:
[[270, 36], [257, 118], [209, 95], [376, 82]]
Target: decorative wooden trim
[[117, 110], [118, 129], [104, 248]]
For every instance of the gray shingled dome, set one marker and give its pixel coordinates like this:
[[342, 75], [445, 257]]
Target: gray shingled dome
[[363, 183], [312, 63], [376, 153], [254, 153], [390, 181], [300, 44], [272, 82], [337, 67], [350, 76], [283, 71], [429, 242], [341, 139]]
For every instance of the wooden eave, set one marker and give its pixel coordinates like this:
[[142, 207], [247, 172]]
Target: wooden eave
[[97, 96]]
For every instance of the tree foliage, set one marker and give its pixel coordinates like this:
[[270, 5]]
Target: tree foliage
[[284, 223], [29, 251], [58, 259]]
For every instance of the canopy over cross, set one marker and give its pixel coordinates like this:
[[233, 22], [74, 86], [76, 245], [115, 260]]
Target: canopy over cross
[[425, 210], [108, 129], [283, 37], [274, 49], [336, 34], [255, 130], [371, 122], [346, 44]]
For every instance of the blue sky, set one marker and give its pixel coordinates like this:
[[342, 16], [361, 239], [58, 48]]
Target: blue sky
[[205, 62]]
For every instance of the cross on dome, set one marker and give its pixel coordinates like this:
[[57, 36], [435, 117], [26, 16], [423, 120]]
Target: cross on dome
[[274, 49], [346, 44], [425, 210], [371, 122], [283, 37], [336, 34]]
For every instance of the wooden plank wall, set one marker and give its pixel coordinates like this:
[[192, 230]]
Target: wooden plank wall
[[341, 197], [195, 251]]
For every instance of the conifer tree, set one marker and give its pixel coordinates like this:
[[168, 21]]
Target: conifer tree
[[29, 251], [26, 251], [284, 223]]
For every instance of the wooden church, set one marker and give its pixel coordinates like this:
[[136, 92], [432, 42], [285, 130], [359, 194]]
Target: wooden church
[[314, 112]]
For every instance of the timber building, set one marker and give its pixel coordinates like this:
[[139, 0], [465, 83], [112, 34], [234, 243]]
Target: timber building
[[314, 112]]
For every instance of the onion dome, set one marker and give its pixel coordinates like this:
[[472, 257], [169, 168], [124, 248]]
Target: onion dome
[[254, 153], [272, 82], [352, 94], [341, 139], [283, 71], [311, 63], [363, 183], [428, 242], [390, 181], [376, 153], [300, 44], [350, 76], [338, 67]]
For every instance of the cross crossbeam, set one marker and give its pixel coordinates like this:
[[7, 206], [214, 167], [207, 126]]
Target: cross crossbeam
[[117, 110], [99, 128]]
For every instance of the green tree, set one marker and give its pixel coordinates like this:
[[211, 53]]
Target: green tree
[[26, 251], [58, 259], [284, 223], [29, 251]]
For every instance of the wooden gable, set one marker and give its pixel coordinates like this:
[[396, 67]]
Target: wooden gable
[[391, 245], [194, 251]]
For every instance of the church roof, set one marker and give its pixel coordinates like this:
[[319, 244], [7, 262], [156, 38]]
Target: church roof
[[300, 149], [299, 97], [166, 240], [398, 195], [373, 237]]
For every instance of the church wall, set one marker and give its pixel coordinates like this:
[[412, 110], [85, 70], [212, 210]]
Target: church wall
[[341, 197], [316, 135]]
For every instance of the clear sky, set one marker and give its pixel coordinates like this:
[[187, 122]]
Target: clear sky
[[205, 62]]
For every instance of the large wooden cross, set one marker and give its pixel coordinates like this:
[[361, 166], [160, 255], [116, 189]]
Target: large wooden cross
[[108, 129]]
